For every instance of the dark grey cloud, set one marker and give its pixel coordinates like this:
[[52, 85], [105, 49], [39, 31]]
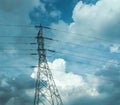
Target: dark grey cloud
[[108, 88], [111, 83], [112, 31], [15, 12], [15, 6], [13, 90], [9, 6]]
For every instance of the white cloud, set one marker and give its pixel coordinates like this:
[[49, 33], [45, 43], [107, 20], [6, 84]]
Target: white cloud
[[115, 48], [91, 21], [95, 20], [88, 19], [70, 85], [55, 14], [99, 20]]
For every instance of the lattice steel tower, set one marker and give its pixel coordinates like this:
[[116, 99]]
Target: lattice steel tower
[[46, 92]]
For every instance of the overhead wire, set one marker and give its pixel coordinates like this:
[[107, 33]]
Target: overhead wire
[[17, 49], [17, 66], [64, 52], [57, 40], [80, 45], [75, 33], [14, 43], [17, 36], [94, 55], [81, 62], [17, 25], [52, 28], [79, 56], [14, 53], [47, 37]]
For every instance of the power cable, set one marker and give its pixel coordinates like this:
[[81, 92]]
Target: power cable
[[14, 43], [97, 38], [80, 56], [17, 66], [17, 49], [17, 36], [95, 55], [71, 43], [52, 28], [13, 25]]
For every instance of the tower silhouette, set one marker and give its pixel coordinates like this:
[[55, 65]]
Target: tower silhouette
[[46, 92]]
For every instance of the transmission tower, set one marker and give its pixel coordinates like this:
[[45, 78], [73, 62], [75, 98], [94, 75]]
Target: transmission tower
[[46, 92]]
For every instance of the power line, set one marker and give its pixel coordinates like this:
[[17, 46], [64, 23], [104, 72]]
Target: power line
[[18, 66], [56, 41], [95, 55], [52, 28], [15, 53], [88, 36], [2, 50], [18, 36], [14, 43], [83, 63], [72, 43], [65, 52], [48, 38], [71, 54], [13, 25], [79, 60], [79, 56], [17, 49]]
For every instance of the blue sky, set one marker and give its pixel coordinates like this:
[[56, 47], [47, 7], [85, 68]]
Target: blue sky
[[64, 11], [88, 63]]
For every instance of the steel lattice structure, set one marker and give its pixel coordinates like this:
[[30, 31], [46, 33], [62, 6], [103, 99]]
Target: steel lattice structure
[[46, 92]]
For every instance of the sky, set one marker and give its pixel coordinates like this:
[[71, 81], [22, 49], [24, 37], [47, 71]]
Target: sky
[[86, 68]]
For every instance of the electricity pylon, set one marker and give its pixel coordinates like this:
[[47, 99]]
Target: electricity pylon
[[46, 92]]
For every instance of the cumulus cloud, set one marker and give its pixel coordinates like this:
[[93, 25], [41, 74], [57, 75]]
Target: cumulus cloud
[[97, 26], [108, 88], [70, 85], [95, 20], [103, 86], [100, 19]]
